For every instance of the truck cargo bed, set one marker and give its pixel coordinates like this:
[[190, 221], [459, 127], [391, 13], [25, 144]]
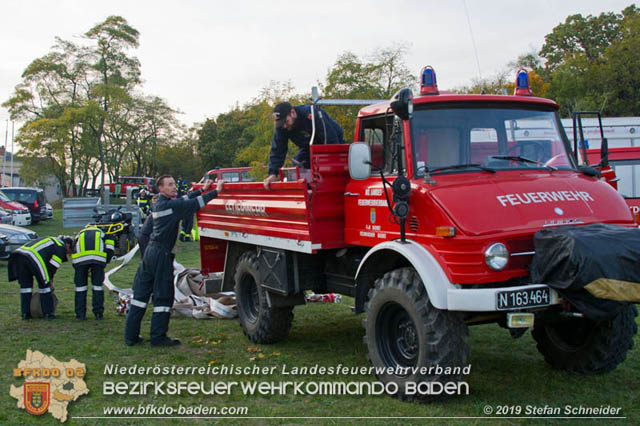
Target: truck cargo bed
[[300, 216]]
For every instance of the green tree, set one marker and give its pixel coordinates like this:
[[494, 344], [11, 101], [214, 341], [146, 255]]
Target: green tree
[[589, 62], [118, 72], [621, 69], [377, 78], [52, 101], [256, 137]]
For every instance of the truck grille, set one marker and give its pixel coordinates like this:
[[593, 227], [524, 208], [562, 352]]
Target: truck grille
[[413, 223]]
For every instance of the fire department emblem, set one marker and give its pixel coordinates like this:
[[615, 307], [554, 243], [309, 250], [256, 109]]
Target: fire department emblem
[[372, 215], [36, 397]]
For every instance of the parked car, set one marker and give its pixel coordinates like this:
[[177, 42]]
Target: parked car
[[20, 213], [16, 236], [49, 214], [4, 242], [6, 217], [33, 198]]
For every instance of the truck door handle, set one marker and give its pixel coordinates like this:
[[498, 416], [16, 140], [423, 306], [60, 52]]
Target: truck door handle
[[351, 194]]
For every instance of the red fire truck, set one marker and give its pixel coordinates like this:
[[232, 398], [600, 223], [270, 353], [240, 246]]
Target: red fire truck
[[427, 221], [123, 183], [624, 174]]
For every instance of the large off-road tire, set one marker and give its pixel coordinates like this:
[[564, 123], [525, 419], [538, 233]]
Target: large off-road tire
[[403, 329], [123, 245], [260, 322], [585, 346]]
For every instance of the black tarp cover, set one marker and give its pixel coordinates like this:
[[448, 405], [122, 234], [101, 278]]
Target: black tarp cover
[[596, 267]]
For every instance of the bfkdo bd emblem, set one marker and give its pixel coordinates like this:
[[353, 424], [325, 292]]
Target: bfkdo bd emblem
[[36, 397]]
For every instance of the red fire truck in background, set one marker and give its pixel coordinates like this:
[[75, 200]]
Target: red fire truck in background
[[623, 175], [427, 221], [120, 187]]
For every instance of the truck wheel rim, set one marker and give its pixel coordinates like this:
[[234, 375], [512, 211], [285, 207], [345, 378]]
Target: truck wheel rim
[[250, 298], [398, 340], [572, 335]]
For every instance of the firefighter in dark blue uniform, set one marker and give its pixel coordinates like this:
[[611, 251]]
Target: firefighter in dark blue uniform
[[93, 250], [38, 258], [155, 273], [295, 123], [144, 201], [182, 186]]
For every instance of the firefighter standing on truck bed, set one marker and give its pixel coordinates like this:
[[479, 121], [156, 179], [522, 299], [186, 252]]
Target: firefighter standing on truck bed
[[155, 273], [295, 123], [38, 258], [93, 250]]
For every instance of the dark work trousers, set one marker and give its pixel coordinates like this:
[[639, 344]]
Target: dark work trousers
[[26, 272], [143, 242], [155, 275], [81, 279]]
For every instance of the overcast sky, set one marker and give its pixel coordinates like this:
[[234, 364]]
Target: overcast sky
[[203, 57]]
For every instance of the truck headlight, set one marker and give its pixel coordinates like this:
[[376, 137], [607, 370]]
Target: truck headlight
[[496, 256]]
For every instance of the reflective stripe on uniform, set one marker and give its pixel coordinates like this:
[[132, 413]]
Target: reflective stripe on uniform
[[162, 309], [81, 289], [96, 253], [102, 258], [37, 259], [162, 213], [26, 290], [97, 288], [200, 201], [138, 303], [45, 290], [54, 263]]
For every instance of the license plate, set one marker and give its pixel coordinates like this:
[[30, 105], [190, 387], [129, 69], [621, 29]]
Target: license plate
[[524, 298]]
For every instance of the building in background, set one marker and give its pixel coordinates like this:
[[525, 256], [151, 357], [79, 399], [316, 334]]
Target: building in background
[[8, 178]]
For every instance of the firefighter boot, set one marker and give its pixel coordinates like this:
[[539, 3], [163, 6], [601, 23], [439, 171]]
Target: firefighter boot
[[25, 303], [81, 302], [97, 301], [97, 296], [159, 327], [132, 325], [46, 303]]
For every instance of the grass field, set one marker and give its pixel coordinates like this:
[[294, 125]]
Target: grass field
[[505, 371]]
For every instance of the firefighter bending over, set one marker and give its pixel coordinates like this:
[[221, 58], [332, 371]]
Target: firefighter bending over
[[39, 258], [295, 123]]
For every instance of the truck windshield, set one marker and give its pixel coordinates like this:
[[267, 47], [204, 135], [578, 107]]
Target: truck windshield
[[502, 138]]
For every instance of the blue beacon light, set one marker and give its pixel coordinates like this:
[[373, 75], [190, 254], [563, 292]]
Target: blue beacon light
[[522, 84], [428, 83]]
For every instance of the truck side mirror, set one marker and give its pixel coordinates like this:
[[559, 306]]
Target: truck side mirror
[[604, 153], [359, 161], [402, 103]]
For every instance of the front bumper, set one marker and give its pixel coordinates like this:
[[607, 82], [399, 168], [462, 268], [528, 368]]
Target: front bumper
[[486, 299], [22, 219]]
